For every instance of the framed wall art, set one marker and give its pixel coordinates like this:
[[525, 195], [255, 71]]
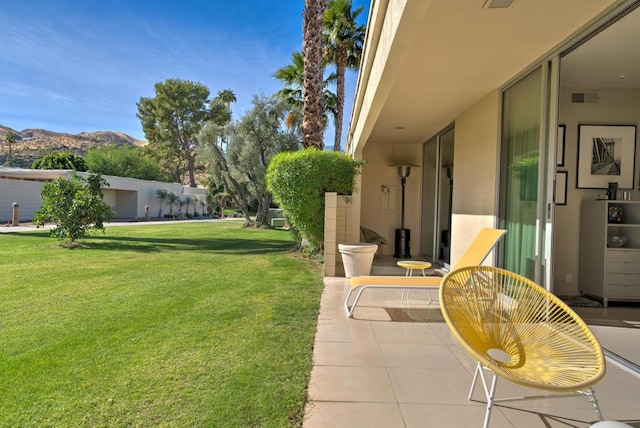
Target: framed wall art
[[606, 153], [561, 188], [560, 144]]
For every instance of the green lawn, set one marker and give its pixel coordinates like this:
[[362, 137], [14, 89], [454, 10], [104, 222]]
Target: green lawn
[[176, 325]]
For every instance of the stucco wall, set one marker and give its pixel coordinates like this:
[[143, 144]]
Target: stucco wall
[[381, 211], [16, 191], [614, 107], [475, 172], [127, 196]]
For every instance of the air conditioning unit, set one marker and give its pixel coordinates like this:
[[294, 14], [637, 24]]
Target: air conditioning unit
[[584, 97]]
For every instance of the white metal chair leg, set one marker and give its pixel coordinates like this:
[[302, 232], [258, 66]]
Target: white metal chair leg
[[489, 391], [591, 394]]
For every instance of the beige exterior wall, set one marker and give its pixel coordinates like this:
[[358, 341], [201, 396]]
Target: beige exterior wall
[[475, 181], [614, 107], [381, 211], [475, 172]]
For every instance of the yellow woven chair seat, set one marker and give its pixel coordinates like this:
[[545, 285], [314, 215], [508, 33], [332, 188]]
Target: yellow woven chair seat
[[520, 332]]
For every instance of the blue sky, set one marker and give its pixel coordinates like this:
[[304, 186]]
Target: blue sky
[[73, 66]]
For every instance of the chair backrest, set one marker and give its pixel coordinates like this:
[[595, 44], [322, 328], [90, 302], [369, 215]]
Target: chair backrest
[[519, 330], [372, 236], [480, 247]]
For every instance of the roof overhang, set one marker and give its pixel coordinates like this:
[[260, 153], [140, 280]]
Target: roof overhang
[[426, 62]]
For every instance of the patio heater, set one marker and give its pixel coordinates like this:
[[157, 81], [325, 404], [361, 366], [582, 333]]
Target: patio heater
[[403, 236]]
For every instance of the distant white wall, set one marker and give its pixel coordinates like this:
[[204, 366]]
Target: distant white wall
[[25, 193], [127, 196]]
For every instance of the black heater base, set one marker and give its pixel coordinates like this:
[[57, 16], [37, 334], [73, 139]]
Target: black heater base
[[403, 244]]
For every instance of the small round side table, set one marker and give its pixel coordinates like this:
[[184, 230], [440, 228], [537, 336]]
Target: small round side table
[[411, 265]]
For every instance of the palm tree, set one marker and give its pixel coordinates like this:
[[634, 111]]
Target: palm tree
[[181, 204], [162, 195], [292, 76], [196, 199], [227, 97], [10, 140], [172, 197], [313, 73], [187, 202], [343, 39]]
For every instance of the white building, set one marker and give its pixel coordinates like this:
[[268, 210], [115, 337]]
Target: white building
[[128, 197]]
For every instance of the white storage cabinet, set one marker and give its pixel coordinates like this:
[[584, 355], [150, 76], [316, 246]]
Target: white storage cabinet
[[610, 273]]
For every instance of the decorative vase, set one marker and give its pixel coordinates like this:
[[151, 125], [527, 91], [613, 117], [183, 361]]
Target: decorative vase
[[615, 213], [612, 191]]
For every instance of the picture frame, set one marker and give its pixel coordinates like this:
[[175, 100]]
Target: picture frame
[[560, 144], [606, 153], [561, 188]]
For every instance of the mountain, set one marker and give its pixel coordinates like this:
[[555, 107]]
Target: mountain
[[33, 143]]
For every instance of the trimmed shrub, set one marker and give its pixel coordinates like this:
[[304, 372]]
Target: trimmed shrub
[[298, 182]]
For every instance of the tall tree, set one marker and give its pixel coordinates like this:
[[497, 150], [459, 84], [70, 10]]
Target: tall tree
[[257, 137], [227, 97], [343, 39], [9, 140], [222, 172], [292, 75], [61, 160], [174, 117], [313, 73], [123, 161]]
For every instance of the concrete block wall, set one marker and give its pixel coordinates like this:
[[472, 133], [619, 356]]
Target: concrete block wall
[[330, 233], [340, 227]]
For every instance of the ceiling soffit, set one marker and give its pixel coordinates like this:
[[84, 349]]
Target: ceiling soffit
[[459, 54]]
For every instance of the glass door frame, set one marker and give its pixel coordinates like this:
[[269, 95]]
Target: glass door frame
[[436, 208], [549, 101]]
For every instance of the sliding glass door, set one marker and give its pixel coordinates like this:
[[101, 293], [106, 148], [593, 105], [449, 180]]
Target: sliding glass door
[[437, 185], [521, 131], [527, 172]]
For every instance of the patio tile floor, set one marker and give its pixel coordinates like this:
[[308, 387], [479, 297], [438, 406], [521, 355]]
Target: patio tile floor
[[372, 372]]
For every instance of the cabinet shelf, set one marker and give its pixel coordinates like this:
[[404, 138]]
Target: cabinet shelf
[[610, 273]]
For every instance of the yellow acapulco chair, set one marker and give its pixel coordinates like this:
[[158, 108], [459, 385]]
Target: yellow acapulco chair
[[522, 333]]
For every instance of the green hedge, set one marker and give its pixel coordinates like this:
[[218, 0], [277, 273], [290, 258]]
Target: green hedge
[[298, 182]]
